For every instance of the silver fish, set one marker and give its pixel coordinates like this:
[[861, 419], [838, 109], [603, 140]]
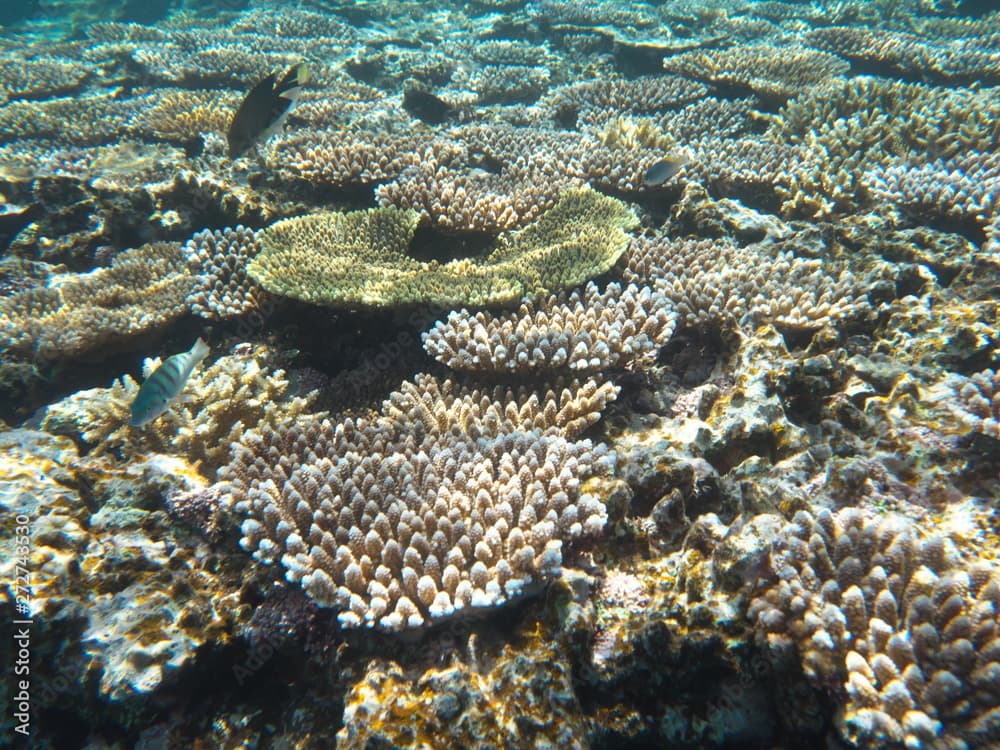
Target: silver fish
[[264, 109], [165, 384]]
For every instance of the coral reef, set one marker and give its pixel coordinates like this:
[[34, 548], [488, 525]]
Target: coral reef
[[359, 259], [903, 625], [767, 519], [451, 499], [577, 332], [107, 569], [142, 290], [221, 401], [218, 260], [522, 699]]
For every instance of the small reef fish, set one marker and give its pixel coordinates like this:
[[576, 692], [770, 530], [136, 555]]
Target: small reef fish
[[264, 109], [664, 169], [165, 384]]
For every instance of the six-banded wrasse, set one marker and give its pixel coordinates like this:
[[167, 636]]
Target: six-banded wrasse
[[664, 169], [264, 109], [165, 384]]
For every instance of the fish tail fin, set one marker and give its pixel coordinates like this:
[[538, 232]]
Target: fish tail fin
[[200, 350], [292, 82]]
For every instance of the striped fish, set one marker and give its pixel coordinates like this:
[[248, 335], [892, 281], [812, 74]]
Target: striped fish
[[165, 384]]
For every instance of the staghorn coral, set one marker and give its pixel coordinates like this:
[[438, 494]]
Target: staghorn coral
[[900, 623], [708, 280], [582, 331], [143, 290], [451, 499], [980, 397], [221, 401], [218, 260], [360, 258], [773, 73]]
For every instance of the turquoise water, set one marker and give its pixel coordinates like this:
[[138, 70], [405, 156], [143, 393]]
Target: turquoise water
[[591, 375]]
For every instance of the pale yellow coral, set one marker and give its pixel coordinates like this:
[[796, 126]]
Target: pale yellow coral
[[359, 259]]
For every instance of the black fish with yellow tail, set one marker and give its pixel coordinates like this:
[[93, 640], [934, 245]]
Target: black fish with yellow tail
[[264, 109]]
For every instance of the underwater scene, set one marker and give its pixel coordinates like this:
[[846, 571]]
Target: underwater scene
[[501, 374]]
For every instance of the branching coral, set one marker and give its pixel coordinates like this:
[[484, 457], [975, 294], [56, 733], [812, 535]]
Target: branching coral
[[582, 331], [901, 624], [220, 402], [143, 290], [219, 262], [450, 499], [360, 258], [181, 115], [709, 280], [768, 71]]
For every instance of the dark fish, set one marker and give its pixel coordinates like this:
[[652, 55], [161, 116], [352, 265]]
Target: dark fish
[[664, 169], [264, 109], [165, 384]]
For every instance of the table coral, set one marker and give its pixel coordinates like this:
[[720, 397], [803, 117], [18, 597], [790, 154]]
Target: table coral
[[912, 55], [359, 259], [706, 280], [768, 71], [452, 499], [143, 290], [579, 332]]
